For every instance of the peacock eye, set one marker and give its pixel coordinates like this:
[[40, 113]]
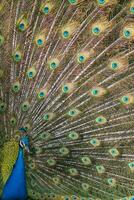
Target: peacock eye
[[132, 165], [65, 89], [53, 195], [111, 181], [46, 117], [96, 30], [39, 41], [81, 59], [86, 160], [114, 65], [73, 1], [125, 99], [2, 107], [85, 186], [46, 10], [74, 197], [95, 142], [17, 56], [66, 198], [56, 180], [132, 9], [73, 171], [42, 94], [31, 73], [73, 112], [51, 162], [101, 2], [47, 7], [68, 30], [114, 152], [100, 169], [73, 135], [64, 151], [101, 120], [13, 121], [95, 92], [65, 34], [45, 136], [38, 150], [53, 65], [25, 106], [22, 24], [16, 87], [21, 27], [127, 33]]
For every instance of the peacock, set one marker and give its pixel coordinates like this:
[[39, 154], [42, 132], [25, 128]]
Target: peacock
[[67, 99]]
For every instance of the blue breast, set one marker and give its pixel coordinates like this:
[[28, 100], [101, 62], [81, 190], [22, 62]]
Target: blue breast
[[15, 187]]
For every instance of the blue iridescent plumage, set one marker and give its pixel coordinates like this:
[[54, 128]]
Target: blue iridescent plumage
[[15, 187]]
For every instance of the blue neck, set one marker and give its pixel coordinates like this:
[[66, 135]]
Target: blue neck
[[15, 187]]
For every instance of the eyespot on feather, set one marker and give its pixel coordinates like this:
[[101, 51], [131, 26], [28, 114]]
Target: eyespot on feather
[[53, 63], [73, 2], [84, 56], [118, 64], [105, 3], [47, 7], [40, 39], [127, 31], [22, 24], [68, 30], [31, 72], [98, 91], [131, 8], [99, 26], [67, 88], [127, 99]]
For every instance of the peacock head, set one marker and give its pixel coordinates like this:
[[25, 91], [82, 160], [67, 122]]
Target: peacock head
[[24, 140]]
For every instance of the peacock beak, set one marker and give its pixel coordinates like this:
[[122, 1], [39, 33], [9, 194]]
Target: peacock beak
[[27, 149]]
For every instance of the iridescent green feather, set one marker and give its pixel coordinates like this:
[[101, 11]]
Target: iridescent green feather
[[9, 156]]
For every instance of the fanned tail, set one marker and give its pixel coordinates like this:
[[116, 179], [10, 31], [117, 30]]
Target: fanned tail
[[67, 76]]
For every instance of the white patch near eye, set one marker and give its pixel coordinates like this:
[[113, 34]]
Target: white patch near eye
[[22, 144]]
